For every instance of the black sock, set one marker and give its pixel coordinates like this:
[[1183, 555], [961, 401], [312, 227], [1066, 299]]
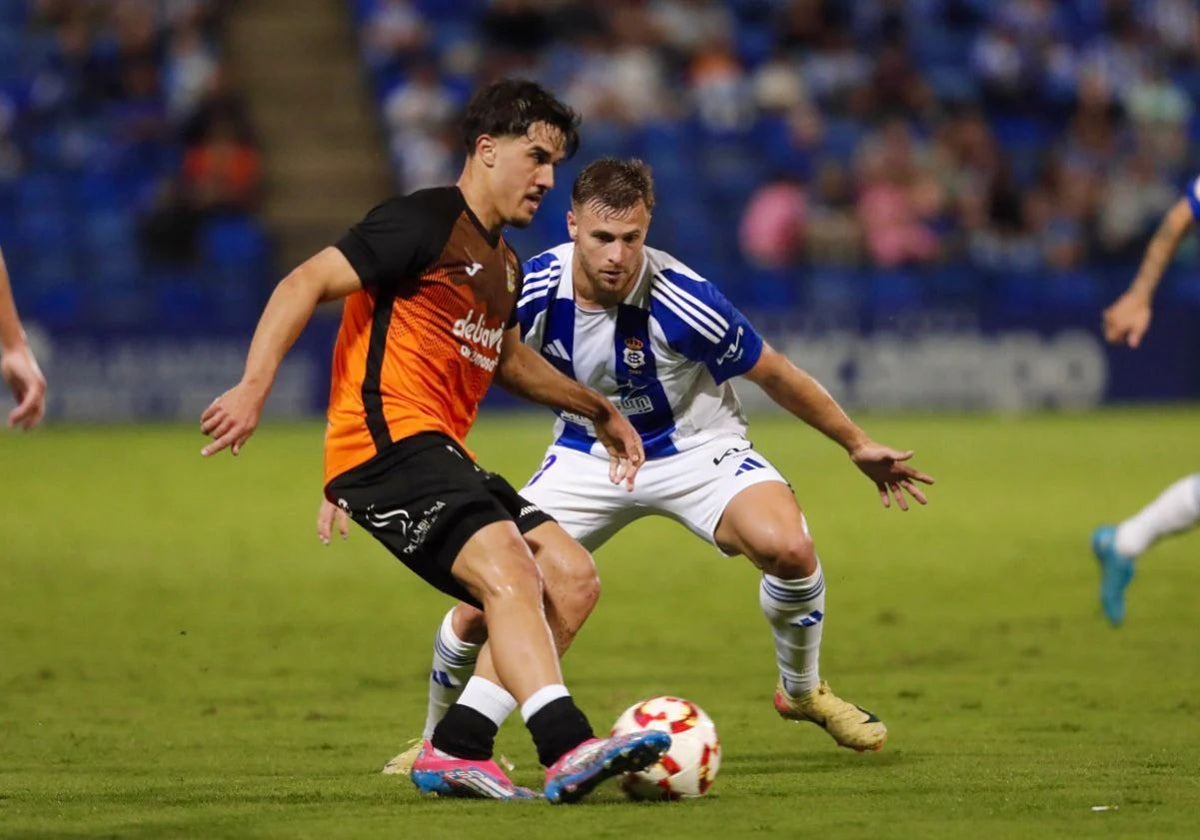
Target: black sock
[[557, 728], [465, 733]]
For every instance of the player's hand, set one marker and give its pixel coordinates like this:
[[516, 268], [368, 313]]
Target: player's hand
[[24, 378], [885, 466], [327, 515], [624, 445], [1126, 321], [231, 418]]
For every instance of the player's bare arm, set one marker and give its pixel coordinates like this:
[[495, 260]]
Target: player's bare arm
[[1128, 319], [17, 364], [233, 416], [793, 389], [522, 371]]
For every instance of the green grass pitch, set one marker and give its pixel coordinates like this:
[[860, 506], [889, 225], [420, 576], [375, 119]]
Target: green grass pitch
[[179, 656]]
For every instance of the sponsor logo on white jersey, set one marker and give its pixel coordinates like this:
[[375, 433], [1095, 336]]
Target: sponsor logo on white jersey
[[734, 353], [630, 406]]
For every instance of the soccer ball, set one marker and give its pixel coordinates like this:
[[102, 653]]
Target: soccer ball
[[689, 767]]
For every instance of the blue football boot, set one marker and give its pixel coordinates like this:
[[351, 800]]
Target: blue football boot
[[575, 774], [1116, 570]]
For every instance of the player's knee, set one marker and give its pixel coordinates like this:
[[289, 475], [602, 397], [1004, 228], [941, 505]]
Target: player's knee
[[787, 555], [582, 582], [512, 575], [572, 583]]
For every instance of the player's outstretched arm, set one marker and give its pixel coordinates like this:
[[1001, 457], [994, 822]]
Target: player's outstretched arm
[[523, 372], [17, 364], [806, 398], [1126, 321], [233, 416]]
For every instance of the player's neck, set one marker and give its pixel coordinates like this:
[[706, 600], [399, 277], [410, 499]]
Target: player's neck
[[478, 199]]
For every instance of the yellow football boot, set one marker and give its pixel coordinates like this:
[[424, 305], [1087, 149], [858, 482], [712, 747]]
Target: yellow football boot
[[851, 726], [402, 764]]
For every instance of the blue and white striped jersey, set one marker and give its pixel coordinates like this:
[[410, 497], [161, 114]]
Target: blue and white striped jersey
[[1193, 197], [663, 356]]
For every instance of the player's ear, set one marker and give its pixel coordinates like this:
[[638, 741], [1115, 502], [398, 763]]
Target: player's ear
[[485, 149], [572, 226]]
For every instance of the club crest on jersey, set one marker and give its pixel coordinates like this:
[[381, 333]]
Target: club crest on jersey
[[510, 275], [634, 354]]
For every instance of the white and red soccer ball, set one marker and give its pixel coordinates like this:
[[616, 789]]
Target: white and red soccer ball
[[689, 767]]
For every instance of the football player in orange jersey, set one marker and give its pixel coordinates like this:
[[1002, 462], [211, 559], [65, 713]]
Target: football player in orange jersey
[[430, 289]]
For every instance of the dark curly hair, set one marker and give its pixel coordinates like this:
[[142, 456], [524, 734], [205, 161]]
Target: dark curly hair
[[508, 108]]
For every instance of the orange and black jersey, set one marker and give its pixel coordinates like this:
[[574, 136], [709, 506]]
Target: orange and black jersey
[[419, 344]]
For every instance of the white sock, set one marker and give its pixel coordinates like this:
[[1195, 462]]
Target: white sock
[[453, 664], [796, 611], [489, 699], [540, 698], [1176, 508]]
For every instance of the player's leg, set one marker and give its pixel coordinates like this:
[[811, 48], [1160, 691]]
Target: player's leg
[[765, 523], [571, 589], [732, 496], [456, 646], [568, 501], [1117, 547], [497, 568], [437, 512]]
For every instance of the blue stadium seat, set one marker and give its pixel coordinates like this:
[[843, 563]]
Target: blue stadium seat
[[182, 299], [833, 290], [10, 53], [233, 241], [761, 288], [894, 290], [755, 43], [841, 138], [235, 255]]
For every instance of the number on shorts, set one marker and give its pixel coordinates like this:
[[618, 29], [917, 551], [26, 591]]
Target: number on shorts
[[549, 462]]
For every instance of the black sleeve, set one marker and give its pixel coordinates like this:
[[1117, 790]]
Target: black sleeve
[[401, 238]]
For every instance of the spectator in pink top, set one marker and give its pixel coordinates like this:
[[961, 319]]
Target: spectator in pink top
[[773, 226], [896, 201]]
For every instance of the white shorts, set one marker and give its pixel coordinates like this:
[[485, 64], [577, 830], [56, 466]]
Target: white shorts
[[693, 487]]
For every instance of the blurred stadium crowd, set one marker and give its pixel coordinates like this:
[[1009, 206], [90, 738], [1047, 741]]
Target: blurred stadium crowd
[[884, 153], [128, 172], [952, 148]]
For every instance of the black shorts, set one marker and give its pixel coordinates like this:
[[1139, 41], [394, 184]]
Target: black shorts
[[424, 498]]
